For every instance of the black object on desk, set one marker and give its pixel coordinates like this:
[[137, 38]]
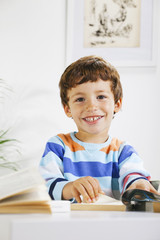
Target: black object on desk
[[140, 200]]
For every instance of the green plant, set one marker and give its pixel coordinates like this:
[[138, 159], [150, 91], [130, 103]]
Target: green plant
[[4, 144], [7, 144]]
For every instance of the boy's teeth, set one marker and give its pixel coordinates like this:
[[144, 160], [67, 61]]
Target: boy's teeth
[[92, 119]]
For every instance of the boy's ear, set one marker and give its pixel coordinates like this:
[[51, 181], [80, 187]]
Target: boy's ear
[[67, 111], [118, 106]]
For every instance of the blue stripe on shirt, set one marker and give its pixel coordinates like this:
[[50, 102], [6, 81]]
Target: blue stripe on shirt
[[54, 147], [52, 186], [126, 152], [93, 169]]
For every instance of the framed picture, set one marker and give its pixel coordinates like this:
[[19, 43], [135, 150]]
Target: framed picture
[[122, 32]]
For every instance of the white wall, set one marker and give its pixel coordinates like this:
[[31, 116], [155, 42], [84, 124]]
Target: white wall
[[32, 46], [32, 54]]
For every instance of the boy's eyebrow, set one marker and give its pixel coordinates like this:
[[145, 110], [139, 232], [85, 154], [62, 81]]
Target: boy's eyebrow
[[99, 91], [102, 91], [78, 93]]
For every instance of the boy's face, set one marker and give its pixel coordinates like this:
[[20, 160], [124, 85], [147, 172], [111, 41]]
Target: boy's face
[[91, 105]]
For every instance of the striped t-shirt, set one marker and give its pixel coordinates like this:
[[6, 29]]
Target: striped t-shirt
[[115, 164]]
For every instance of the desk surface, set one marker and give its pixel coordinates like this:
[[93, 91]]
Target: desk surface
[[81, 225]]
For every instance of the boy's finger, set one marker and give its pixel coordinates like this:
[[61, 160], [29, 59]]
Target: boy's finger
[[77, 197], [95, 185], [87, 191], [84, 192]]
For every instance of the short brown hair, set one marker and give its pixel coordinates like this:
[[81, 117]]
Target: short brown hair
[[90, 68]]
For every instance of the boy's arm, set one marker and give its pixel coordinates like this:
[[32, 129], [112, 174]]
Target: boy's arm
[[131, 169], [51, 168]]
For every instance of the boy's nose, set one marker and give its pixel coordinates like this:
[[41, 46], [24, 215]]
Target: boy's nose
[[91, 106]]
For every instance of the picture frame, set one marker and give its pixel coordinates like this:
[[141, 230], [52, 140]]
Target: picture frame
[[143, 56]]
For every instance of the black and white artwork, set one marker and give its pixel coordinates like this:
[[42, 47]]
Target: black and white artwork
[[112, 23]]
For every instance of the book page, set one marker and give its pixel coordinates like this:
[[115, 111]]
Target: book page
[[35, 196], [19, 181], [104, 199]]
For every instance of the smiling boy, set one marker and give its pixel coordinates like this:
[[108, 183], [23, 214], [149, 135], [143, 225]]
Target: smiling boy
[[89, 161], [91, 105]]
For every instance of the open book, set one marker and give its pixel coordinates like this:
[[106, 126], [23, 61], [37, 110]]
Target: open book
[[104, 203], [24, 191]]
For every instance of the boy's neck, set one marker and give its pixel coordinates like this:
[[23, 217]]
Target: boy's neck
[[92, 138]]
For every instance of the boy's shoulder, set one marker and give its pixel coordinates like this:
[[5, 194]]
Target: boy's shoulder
[[67, 140]]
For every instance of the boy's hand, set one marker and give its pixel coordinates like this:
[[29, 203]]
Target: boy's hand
[[144, 185], [88, 187]]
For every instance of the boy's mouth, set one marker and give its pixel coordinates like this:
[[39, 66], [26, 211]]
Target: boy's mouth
[[92, 119]]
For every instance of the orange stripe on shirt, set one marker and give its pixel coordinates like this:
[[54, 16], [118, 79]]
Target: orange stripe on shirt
[[66, 138], [114, 146]]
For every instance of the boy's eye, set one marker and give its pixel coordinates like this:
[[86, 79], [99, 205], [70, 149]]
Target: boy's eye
[[101, 97], [80, 99]]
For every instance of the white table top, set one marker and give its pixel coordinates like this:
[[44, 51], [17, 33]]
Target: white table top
[[80, 225]]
